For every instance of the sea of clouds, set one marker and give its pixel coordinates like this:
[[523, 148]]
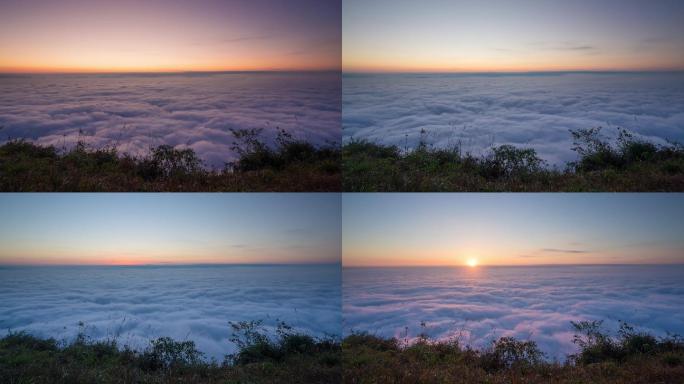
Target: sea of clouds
[[537, 111], [136, 304], [479, 305], [194, 111]]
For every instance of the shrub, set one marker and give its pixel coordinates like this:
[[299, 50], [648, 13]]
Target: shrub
[[28, 359], [255, 154], [21, 339], [594, 151], [597, 346], [628, 164], [371, 341], [291, 165], [366, 148], [509, 161], [255, 344], [166, 161], [21, 147], [165, 352], [252, 342], [507, 352]]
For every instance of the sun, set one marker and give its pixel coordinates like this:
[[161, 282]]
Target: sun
[[471, 262]]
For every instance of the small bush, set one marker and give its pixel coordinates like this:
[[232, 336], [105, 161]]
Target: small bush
[[628, 164], [166, 161], [165, 352], [509, 161], [371, 341], [290, 165], [372, 359], [597, 346], [256, 345], [299, 359], [509, 353]]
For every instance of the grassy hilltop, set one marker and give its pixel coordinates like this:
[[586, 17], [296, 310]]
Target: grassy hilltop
[[629, 357], [291, 357], [627, 165], [290, 166]]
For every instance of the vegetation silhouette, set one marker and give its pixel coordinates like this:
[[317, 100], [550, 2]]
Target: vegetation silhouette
[[628, 164], [286, 356], [287, 165], [628, 357], [281, 354]]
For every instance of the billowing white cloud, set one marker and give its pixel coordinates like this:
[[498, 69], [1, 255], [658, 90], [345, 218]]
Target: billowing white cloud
[[187, 303], [536, 303], [534, 111], [135, 112]]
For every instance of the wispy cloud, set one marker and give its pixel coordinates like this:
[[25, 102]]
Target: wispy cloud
[[559, 250], [240, 39], [569, 46], [574, 48]]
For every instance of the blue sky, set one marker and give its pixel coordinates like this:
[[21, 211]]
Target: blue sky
[[504, 35], [511, 229], [169, 228]]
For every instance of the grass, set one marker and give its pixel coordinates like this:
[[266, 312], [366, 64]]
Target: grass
[[628, 164], [629, 357], [288, 166], [289, 357]]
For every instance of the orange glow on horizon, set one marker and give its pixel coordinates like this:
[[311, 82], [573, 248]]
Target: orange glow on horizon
[[253, 67], [168, 36], [141, 262], [495, 67], [115, 258], [41, 70], [493, 257]]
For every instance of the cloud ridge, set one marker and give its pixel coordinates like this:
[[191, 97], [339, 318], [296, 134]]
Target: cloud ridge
[[183, 302], [479, 305], [476, 111], [185, 110]]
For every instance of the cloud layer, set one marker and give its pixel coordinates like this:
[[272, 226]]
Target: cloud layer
[[477, 111], [482, 304], [195, 303], [184, 110]]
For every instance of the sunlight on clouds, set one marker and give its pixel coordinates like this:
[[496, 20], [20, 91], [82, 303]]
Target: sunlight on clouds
[[477, 305]]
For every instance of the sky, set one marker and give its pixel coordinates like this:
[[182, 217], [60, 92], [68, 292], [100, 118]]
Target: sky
[[133, 229], [169, 35], [511, 229], [504, 35]]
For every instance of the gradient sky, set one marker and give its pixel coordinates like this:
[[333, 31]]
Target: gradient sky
[[512, 229], [169, 228], [507, 35], [169, 35]]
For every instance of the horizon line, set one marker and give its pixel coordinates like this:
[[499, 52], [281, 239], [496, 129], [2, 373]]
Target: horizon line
[[509, 265], [169, 72], [578, 71], [164, 264]]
